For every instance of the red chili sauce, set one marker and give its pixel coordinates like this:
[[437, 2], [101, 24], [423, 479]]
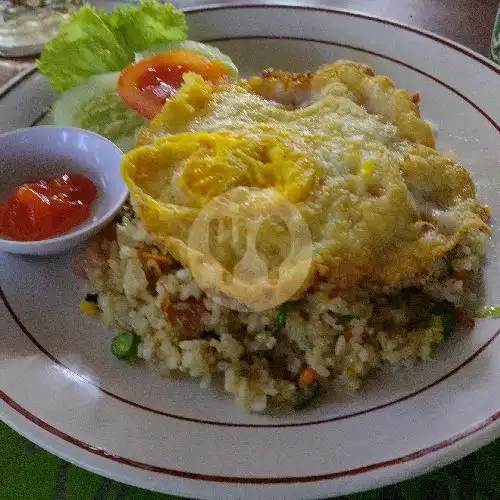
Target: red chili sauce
[[45, 208]]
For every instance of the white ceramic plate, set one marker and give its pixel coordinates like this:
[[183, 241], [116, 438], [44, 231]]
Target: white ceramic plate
[[61, 388]]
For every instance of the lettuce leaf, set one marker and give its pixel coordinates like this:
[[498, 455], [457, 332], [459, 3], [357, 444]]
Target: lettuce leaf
[[153, 23], [92, 42], [85, 46]]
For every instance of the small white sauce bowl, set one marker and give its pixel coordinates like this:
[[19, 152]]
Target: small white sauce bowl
[[47, 152]]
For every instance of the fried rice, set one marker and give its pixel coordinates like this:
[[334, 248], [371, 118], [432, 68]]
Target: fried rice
[[342, 335]]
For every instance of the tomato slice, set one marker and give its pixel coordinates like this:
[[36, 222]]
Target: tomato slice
[[145, 85]]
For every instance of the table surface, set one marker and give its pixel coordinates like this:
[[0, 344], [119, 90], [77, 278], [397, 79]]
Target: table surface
[[469, 22], [28, 472]]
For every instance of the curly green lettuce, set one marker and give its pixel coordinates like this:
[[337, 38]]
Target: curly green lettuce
[[138, 29], [92, 42]]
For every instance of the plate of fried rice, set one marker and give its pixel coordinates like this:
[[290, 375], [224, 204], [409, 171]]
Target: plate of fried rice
[[299, 298]]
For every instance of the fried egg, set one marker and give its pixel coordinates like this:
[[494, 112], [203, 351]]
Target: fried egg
[[353, 156]]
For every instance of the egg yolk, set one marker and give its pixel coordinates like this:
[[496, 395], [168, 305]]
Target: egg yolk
[[211, 164]]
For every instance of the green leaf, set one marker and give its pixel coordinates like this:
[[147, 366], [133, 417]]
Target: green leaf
[[138, 29], [84, 47], [92, 42]]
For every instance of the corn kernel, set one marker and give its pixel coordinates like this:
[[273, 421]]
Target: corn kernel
[[91, 309], [368, 168]]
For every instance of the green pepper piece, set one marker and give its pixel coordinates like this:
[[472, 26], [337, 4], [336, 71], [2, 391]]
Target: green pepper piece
[[489, 312], [343, 319], [124, 346], [281, 318], [448, 315]]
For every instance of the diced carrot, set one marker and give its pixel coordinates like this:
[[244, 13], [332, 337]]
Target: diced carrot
[[336, 292], [415, 97], [160, 259], [460, 275], [308, 376], [166, 303], [486, 214]]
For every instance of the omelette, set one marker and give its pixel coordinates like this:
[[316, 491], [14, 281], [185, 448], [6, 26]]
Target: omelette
[[345, 147]]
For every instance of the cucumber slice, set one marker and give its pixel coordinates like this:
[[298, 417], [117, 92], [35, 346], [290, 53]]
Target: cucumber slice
[[96, 106], [210, 52]]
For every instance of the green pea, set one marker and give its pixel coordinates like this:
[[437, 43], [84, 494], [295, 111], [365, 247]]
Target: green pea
[[124, 346], [448, 315], [281, 318], [343, 319]]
